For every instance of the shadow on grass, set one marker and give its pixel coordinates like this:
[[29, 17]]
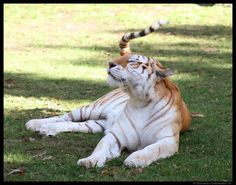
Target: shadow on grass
[[189, 30], [168, 50], [215, 32], [192, 58], [30, 85], [195, 60], [185, 50], [11, 115]]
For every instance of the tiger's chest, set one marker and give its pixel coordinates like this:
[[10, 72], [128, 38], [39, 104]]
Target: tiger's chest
[[128, 126], [138, 127]]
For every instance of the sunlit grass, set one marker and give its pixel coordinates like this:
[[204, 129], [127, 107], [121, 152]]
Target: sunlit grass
[[16, 158]]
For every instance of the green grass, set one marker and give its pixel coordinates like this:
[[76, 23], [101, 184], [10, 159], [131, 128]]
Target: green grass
[[55, 59]]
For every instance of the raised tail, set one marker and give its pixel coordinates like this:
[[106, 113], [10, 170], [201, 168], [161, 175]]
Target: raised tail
[[124, 42]]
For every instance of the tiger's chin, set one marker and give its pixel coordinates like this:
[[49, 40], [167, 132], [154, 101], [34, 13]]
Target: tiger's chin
[[112, 82]]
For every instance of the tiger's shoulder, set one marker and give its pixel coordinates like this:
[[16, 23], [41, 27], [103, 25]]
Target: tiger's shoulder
[[179, 103]]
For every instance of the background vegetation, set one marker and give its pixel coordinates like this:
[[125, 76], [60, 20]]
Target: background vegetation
[[55, 59]]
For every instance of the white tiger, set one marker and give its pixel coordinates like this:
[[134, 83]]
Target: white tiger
[[145, 114]]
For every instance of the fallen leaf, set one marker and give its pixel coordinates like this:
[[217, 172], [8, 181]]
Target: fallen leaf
[[25, 139], [211, 90], [194, 114], [20, 171], [40, 154], [48, 158], [137, 171], [109, 172], [9, 82], [32, 139]]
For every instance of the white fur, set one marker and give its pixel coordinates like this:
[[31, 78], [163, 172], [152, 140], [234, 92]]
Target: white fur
[[124, 114]]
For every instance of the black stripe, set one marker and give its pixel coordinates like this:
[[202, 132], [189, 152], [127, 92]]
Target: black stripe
[[123, 39], [80, 114], [123, 44], [142, 33], [90, 130], [109, 98], [99, 125], [91, 110], [133, 125], [121, 129], [111, 94], [131, 36], [111, 101], [83, 117], [155, 118], [151, 29], [149, 74], [117, 140], [155, 106], [121, 47], [100, 115], [71, 116]]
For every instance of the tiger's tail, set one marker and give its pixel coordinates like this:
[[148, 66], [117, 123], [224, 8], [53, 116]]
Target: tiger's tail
[[124, 42]]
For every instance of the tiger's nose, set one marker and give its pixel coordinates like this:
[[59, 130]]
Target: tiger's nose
[[112, 64]]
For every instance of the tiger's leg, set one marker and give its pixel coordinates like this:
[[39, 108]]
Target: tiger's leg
[[77, 115], [93, 111], [36, 124], [90, 126], [163, 148], [108, 148]]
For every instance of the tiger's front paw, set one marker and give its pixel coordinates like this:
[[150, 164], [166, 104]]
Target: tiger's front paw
[[48, 130], [92, 161], [136, 160], [34, 124]]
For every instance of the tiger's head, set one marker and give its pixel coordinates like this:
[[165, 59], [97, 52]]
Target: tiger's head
[[136, 74]]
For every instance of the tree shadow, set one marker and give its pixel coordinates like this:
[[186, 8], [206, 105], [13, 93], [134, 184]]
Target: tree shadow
[[181, 49], [31, 85], [92, 61], [191, 62], [183, 57], [188, 30], [12, 115]]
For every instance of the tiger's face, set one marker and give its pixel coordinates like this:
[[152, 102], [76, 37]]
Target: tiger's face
[[126, 70], [135, 72]]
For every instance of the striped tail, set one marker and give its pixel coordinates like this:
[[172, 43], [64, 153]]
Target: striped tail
[[124, 42]]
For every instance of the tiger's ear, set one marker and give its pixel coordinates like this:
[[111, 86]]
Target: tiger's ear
[[167, 72]]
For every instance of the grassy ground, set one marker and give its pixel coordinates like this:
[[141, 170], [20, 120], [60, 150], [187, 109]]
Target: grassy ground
[[55, 59]]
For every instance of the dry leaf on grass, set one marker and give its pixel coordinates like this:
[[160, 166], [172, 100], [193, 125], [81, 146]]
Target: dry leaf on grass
[[48, 158], [9, 82], [40, 154], [20, 171], [137, 171]]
